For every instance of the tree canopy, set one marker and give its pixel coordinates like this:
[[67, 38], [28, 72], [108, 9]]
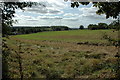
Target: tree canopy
[[99, 26], [8, 11], [110, 9], [81, 27]]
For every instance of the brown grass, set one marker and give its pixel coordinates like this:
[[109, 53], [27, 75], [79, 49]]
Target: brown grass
[[67, 58]]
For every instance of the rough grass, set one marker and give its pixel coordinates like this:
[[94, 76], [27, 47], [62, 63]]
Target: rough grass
[[53, 57]]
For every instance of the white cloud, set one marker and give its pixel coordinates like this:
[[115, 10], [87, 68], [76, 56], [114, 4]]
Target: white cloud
[[49, 17], [71, 19], [48, 7], [90, 13], [44, 10], [59, 4], [70, 14], [22, 17], [26, 17], [32, 19], [89, 9], [52, 14]]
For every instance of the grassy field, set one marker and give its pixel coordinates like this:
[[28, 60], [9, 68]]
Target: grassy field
[[70, 36], [57, 54]]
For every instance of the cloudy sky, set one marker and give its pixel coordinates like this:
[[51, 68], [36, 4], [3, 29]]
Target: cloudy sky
[[59, 12]]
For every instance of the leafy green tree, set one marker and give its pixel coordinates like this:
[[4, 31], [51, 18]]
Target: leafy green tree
[[110, 9], [8, 11], [115, 25], [92, 26], [81, 27], [102, 26]]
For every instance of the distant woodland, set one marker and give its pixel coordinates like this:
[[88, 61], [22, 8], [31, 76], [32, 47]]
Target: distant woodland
[[27, 29]]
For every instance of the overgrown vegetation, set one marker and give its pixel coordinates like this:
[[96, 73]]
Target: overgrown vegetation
[[55, 59]]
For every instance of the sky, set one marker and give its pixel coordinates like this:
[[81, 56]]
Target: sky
[[59, 13]]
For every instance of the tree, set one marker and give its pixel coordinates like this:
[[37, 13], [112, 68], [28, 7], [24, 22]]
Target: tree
[[110, 9], [114, 25], [102, 26], [59, 28], [8, 11], [92, 26], [81, 27]]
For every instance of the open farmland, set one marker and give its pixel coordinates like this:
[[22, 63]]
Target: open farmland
[[70, 36], [63, 54]]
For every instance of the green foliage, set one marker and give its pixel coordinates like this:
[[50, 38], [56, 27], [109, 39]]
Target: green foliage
[[67, 64], [59, 28], [115, 43], [81, 27], [28, 30], [110, 9], [5, 58], [115, 25], [92, 26], [8, 11], [5, 30], [76, 4], [101, 26]]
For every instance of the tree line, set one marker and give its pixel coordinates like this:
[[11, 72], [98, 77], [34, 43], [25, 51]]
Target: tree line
[[112, 25], [28, 30]]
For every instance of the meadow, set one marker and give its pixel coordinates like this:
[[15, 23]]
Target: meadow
[[70, 36], [63, 54]]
